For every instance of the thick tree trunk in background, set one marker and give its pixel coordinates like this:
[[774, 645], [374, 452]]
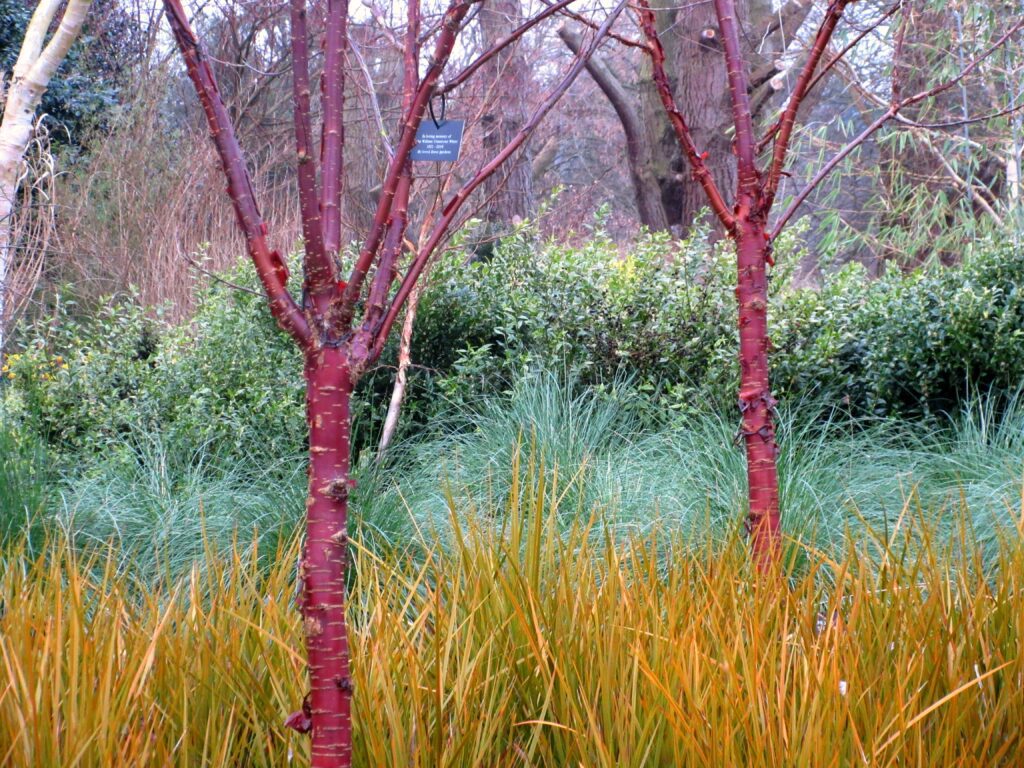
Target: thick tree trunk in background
[[30, 78], [639, 150], [695, 65], [328, 393], [506, 78], [689, 33]]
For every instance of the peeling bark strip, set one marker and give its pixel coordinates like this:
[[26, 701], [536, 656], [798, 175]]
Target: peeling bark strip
[[336, 351], [37, 62], [746, 220]]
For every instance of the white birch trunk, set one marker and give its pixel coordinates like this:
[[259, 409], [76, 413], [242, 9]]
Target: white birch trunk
[[29, 79]]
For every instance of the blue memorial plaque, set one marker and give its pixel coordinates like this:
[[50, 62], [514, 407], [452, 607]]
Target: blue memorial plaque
[[440, 142]]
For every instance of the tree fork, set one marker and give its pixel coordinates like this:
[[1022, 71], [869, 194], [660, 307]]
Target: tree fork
[[336, 353]]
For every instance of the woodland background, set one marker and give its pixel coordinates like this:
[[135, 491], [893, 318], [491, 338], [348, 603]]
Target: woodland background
[[576, 341]]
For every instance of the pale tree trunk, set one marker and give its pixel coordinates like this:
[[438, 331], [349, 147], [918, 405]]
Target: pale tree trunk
[[36, 64], [402, 377]]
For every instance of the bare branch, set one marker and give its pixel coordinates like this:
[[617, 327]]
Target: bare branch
[[725, 10], [412, 118], [319, 269], [894, 109], [501, 45], [796, 98], [271, 269], [450, 210], [829, 65], [332, 84]]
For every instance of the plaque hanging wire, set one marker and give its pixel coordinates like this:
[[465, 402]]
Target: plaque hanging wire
[[444, 108]]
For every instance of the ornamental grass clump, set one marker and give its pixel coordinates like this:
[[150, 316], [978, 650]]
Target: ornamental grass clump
[[527, 641]]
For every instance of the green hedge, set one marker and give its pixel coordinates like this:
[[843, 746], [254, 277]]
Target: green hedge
[[662, 315]]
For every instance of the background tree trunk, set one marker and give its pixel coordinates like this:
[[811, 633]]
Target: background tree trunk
[[690, 36], [31, 76], [509, 193], [639, 149], [697, 74]]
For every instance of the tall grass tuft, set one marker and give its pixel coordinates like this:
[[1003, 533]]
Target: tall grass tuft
[[839, 476], [24, 479], [163, 505], [534, 642]]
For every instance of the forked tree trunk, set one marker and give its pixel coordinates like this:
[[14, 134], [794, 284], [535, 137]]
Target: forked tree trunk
[[337, 351], [323, 567]]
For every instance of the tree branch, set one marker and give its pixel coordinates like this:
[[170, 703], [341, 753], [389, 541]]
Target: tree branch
[[735, 66], [823, 71], [332, 84], [271, 269], [648, 196], [683, 134], [501, 45], [437, 234], [318, 267], [796, 98]]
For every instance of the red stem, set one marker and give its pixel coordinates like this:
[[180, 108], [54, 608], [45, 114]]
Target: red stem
[[684, 136], [749, 179], [755, 397], [796, 98], [752, 253], [270, 268], [333, 139], [770, 134], [886, 116], [323, 567], [318, 269]]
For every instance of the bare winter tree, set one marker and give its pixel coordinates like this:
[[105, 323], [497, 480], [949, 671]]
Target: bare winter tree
[[746, 218], [341, 324], [37, 62]]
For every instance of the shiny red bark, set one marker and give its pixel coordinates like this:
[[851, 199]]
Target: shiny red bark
[[336, 352]]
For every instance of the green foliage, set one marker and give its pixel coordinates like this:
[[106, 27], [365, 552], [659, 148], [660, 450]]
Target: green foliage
[[661, 313], [906, 344], [88, 83], [229, 379], [662, 317], [24, 479], [80, 385]]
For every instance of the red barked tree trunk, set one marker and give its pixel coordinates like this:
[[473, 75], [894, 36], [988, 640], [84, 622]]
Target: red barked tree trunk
[[746, 220], [342, 325]]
